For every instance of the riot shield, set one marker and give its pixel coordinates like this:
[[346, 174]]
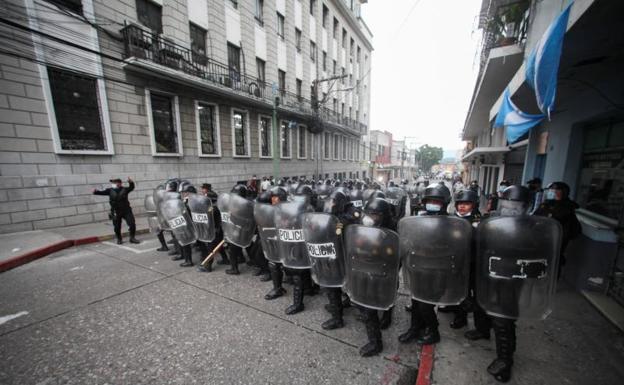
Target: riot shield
[[356, 198], [201, 214], [371, 266], [264, 214], [517, 258], [150, 205], [179, 219], [154, 224], [237, 219], [366, 194], [323, 241], [160, 196], [397, 197], [435, 251], [290, 242]]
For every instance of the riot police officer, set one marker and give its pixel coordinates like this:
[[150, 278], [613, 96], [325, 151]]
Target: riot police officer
[[275, 195], [424, 322], [235, 252]]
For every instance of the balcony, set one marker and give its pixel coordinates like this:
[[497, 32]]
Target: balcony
[[155, 55]]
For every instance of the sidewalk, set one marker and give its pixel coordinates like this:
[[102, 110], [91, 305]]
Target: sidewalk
[[23, 247]]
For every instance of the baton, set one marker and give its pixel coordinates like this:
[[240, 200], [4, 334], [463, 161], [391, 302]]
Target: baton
[[212, 254]]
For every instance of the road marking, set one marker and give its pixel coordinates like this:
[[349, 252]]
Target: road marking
[[10, 317], [76, 268], [132, 249]]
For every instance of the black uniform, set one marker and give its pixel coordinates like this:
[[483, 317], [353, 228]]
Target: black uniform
[[120, 209]]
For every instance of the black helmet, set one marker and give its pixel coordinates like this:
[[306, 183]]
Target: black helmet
[[336, 203], [516, 193], [304, 190], [438, 191], [183, 184], [279, 192], [391, 184], [377, 213], [466, 196], [240, 190], [187, 188], [565, 189], [264, 197], [172, 185]]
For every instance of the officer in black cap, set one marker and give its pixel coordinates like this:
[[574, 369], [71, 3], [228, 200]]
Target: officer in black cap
[[274, 196], [120, 207]]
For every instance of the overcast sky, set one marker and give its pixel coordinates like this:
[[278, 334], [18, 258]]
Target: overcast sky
[[423, 73]]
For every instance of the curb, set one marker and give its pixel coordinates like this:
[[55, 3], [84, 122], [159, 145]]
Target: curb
[[426, 365], [41, 252]]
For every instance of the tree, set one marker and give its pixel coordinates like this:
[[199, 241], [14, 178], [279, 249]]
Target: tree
[[427, 156]]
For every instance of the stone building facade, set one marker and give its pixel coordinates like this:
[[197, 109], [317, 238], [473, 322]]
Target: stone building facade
[[153, 89]]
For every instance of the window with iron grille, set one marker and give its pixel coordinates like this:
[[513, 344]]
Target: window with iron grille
[[260, 12], [208, 132], [234, 61], [265, 137], [324, 61], [198, 40], [298, 39], [312, 51], [165, 133], [150, 15], [281, 80], [70, 5], [280, 25], [302, 142], [239, 122], [285, 139], [260, 67], [77, 111], [325, 16]]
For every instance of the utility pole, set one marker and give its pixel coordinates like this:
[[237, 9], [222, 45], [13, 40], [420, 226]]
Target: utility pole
[[276, 148]]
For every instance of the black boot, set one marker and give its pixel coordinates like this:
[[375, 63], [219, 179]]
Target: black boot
[[224, 259], [176, 249], [334, 295], [386, 319], [374, 345], [134, 240], [119, 241], [297, 305], [475, 334], [416, 325], [309, 287], [163, 244], [233, 270], [177, 252], [505, 334], [288, 278], [429, 336], [187, 252], [276, 276], [460, 320]]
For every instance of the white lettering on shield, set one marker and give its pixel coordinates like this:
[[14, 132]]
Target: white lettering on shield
[[177, 222], [393, 202], [225, 217], [321, 250], [357, 203], [286, 235], [200, 217]]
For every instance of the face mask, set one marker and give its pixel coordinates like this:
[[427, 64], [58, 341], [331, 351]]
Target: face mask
[[368, 221], [501, 189], [114, 185], [433, 207], [463, 215], [551, 195]]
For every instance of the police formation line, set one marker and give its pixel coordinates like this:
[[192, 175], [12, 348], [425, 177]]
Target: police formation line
[[353, 239]]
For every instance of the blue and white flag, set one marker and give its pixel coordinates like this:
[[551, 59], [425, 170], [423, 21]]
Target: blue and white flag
[[517, 122], [542, 64]]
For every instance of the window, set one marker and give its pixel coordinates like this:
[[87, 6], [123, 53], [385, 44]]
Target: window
[[350, 112], [359, 53], [326, 145], [344, 38], [198, 41], [344, 148], [352, 47], [281, 78], [344, 72], [336, 147], [312, 6], [342, 110], [266, 136], [312, 51], [313, 148], [325, 16], [150, 15], [285, 140], [234, 3], [299, 84], [335, 105], [301, 137], [234, 61], [280, 26], [260, 12], [164, 122], [240, 132], [207, 121], [324, 61], [335, 66], [79, 123], [298, 39], [71, 5], [260, 67], [336, 28]]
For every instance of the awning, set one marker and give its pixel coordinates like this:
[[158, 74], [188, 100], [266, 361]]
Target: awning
[[485, 150]]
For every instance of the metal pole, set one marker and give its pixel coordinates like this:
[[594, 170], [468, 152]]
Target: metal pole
[[276, 141]]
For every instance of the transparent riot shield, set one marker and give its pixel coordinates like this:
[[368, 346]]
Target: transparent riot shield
[[435, 251], [517, 260], [323, 238], [150, 205], [179, 219], [290, 242], [371, 266], [201, 214], [264, 214], [154, 224], [160, 196], [237, 220], [397, 197]]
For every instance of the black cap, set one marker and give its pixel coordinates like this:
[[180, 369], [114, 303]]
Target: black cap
[[516, 193], [115, 180]]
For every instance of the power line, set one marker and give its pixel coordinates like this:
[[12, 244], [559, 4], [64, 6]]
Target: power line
[[405, 20]]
